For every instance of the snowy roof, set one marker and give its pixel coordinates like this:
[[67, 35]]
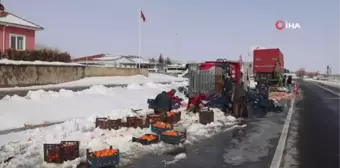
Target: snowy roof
[[7, 18], [106, 58], [15, 62], [115, 58], [141, 60]]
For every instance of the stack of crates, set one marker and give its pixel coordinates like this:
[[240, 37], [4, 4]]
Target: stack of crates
[[105, 123]]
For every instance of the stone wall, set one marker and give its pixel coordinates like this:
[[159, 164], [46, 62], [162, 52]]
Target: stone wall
[[27, 75]]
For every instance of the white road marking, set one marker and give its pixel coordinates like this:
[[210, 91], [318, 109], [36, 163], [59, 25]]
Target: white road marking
[[331, 91], [332, 98], [276, 162]]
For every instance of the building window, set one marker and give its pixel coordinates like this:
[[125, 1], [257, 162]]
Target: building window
[[17, 42]]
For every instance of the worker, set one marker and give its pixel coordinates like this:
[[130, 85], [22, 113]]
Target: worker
[[162, 103], [239, 100], [289, 83], [284, 80], [174, 99], [195, 103]]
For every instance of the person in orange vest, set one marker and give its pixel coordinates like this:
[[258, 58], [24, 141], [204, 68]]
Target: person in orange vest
[[195, 103]]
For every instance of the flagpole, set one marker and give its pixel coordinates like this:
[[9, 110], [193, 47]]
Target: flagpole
[[139, 37]]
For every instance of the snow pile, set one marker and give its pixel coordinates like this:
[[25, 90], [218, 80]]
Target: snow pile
[[333, 83], [176, 159], [40, 106], [80, 109], [15, 62], [27, 146], [107, 80]]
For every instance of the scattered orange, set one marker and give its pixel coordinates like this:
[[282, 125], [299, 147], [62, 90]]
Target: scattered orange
[[170, 133], [171, 113], [147, 137], [161, 125], [104, 152]]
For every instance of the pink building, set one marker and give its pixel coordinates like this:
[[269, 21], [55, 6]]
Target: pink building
[[16, 32]]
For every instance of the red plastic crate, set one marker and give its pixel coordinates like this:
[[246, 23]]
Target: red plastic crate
[[113, 124], [154, 118], [58, 153], [101, 123]]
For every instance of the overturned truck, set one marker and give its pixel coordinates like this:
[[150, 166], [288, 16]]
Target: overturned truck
[[215, 79]]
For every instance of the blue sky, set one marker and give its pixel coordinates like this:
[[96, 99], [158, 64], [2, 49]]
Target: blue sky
[[189, 29]]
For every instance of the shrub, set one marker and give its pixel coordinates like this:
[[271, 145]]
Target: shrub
[[48, 55]]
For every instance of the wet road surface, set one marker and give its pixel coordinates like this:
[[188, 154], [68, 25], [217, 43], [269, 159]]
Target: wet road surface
[[318, 142]]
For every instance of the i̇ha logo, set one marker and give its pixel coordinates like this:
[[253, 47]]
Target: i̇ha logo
[[280, 25]]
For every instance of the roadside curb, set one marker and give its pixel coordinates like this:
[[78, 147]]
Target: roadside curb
[[277, 159]]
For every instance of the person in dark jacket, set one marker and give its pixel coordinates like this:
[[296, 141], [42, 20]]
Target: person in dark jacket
[[289, 83], [163, 103], [171, 95], [239, 100], [284, 80], [195, 103]]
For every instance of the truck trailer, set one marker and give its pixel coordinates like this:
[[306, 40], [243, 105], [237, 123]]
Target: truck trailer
[[268, 64]]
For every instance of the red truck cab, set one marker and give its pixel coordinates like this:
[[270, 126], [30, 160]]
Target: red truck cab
[[266, 61]]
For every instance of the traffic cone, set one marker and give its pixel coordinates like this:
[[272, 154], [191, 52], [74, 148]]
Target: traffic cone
[[295, 90]]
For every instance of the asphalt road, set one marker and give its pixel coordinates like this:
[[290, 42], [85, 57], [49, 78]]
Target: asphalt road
[[318, 128]]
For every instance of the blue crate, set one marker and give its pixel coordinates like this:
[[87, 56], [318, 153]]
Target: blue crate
[[100, 162], [175, 140], [160, 130], [146, 142]]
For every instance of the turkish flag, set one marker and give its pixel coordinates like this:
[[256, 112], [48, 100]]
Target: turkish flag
[[142, 16]]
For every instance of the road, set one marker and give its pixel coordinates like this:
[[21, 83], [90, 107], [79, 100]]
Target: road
[[318, 126]]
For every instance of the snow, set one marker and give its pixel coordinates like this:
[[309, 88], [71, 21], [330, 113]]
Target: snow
[[176, 159], [80, 109], [27, 146], [334, 83], [41, 106], [15, 20], [15, 62], [108, 80], [252, 84]]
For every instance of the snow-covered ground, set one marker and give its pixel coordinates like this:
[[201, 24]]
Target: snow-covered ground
[[334, 83], [27, 146], [80, 110], [107, 80], [15, 62], [39, 107]]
